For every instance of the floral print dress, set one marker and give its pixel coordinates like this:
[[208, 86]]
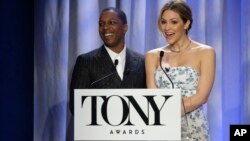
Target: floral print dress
[[186, 79]]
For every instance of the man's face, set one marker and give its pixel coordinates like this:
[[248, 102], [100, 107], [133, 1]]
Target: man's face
[[111, 29]]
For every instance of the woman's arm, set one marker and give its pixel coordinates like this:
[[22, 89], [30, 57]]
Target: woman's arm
[[150, 66], [205, 84]]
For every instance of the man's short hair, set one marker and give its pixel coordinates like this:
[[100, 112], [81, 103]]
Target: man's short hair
[[119, 12]]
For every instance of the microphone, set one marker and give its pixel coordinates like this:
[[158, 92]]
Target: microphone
[[161, 56], [106, 76], [167, 70], [116, 62]]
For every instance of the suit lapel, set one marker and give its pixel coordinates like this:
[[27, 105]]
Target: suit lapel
[[103, 59], [105, 64]]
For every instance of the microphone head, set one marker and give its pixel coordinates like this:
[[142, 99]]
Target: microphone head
[[116, 62], [166, 69], [161, 53]]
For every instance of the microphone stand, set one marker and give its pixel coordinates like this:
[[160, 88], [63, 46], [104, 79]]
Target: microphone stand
[[182, 101], [98, 80]]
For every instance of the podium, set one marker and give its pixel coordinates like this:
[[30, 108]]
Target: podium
[[127, 114]]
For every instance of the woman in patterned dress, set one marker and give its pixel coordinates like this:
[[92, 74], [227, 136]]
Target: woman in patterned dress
[[190, 66]]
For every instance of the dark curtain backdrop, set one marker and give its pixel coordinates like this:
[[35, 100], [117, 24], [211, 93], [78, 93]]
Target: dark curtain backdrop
[[16, 70], [65, 29]]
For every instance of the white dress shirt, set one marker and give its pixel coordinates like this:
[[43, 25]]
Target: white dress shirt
[[121, 57]]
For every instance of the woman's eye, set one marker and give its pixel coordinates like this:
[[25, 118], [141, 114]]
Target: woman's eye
[[174, 22], [163, 22]]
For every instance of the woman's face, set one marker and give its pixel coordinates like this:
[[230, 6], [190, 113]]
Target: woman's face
[[172, 26]]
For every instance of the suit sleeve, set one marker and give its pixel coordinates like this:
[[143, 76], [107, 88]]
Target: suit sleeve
[[80, 79]]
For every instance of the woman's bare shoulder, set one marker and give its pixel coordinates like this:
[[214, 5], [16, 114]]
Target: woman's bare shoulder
[[203, 48], [204, 51]]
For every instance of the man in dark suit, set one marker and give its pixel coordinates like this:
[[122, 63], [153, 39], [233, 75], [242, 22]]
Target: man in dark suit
[[112, 65]]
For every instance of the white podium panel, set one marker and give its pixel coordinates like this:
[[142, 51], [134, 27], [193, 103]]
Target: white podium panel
[[127, 114]]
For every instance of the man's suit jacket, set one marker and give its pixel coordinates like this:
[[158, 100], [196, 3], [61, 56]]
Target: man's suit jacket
[[97, 66]]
